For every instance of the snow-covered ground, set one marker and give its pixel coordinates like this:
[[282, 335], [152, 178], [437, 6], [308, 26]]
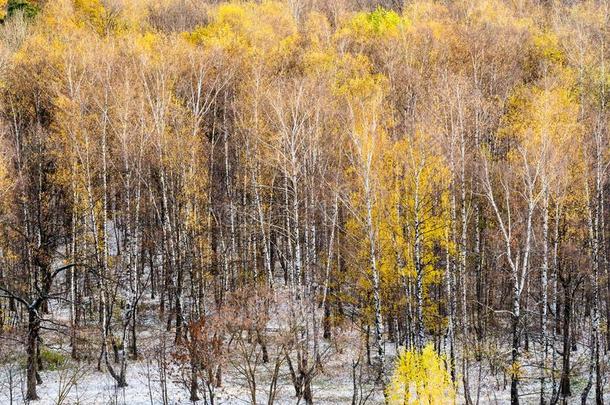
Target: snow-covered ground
[[82, 383], [90, 386], [333, 386]]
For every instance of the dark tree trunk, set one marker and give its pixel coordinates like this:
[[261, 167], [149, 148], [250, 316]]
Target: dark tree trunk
[[514, 384], [326, 321], [564, 383], [194, 388], [32, 353]]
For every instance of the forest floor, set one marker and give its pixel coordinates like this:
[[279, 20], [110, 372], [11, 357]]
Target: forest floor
[[82, 384], [334, 386], [69, 382]]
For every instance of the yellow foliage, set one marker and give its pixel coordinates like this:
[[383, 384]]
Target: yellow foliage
[[93, 12], [318, 61], [266, 29], [7, 182], [515, 370], [544, 123], [377, 24], [317, 30], [148, 42], [93, 9], [420, 378], [426, 11], [547, 47], [494, 13], [412, 172], [591, 14], [430, 17]]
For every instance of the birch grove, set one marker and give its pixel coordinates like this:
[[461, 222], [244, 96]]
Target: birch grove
[[355, 202]]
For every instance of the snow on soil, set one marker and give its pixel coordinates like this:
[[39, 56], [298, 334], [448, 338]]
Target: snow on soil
[[94, 387], [334, 385]]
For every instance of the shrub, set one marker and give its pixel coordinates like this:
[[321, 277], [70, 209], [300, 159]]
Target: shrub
[[421, 377], [52, 359], [28, 8]]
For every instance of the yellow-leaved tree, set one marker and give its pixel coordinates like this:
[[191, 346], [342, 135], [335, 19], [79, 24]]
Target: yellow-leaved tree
[[420, 377]]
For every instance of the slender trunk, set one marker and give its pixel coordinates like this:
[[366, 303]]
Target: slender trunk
[[544, 303], [32, 353], [564, 383], [463, 273], [420, 338], [515, 355], [450, 312], [555, 305], [296, 234], [376, 281]]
